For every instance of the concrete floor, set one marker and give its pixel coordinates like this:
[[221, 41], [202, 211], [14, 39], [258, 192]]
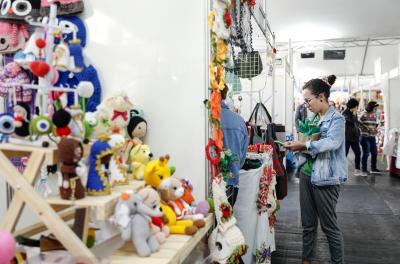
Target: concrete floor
[[368, 214]]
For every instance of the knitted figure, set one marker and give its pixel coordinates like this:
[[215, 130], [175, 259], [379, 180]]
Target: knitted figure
[[13, 73], [61, 119], [73, 29], [119, 107], [70, 153], [133, 218], [137, 130], [13, 37], [40, 126], [140, 156], [76, 125], [64, 7], [98, 182], [6, 126], [118, 169], [89, 122], [18, 10], [152, 200], [22, 115], [102, 127], [156, 171]]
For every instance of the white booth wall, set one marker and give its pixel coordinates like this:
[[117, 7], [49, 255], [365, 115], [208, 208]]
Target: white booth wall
[[156, 53]]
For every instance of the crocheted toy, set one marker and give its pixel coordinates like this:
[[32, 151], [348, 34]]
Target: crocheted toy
[[172, 191], [89, 122], [22, 116], [13, 73], [133, 218], [98, 182], [102, 127], [30, 53], [13, 37], [120, 107], [64, 7], [6, 126], [137, 130], [118, 168], [61, 119], [152, 199], [140, 156], [40, 126], [73, 30], [70, 153], [61, 57], [18, 10], [76, 125], [202, 207], [156, 171]]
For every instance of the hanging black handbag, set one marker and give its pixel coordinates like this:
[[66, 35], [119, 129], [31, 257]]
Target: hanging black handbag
[[257, 124], [248, 64]]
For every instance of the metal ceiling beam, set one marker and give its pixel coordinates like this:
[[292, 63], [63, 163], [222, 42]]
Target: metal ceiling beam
[[365, 55]]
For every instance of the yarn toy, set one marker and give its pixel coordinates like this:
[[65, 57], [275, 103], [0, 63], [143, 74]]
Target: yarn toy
[[64, 7], [8, 247], [102, 128], [98, 182], [202, 207], [70, 153], [61, 119], [140, 156], [89, 122], [39, 67], [137, 130], [133, 218], [18, 10], [118, 168], [7, 127], [76, 125], [13, 37], [22, 115], [156, 171], [40, 126], [120, 107], [152, 199]]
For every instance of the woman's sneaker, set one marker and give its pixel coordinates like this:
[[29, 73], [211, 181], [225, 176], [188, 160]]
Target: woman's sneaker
[[364, 173], [357, 172], [375, 171]]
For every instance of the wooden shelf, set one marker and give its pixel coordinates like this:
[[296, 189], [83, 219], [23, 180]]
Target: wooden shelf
[[175, 250]]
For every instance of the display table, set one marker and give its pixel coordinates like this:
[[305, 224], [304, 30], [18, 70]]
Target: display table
[[175, 250]]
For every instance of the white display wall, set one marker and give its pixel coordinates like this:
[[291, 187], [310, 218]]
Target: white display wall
[[156, 53]]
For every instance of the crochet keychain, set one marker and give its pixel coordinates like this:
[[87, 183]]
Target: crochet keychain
[[43, 186]]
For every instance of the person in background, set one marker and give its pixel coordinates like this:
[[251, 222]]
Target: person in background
[[322, 171], [300, 114], [369, 130], [236, 139], [332, 103], [353, 133]]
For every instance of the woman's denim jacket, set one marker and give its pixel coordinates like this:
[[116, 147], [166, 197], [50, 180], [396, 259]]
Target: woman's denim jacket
[[330, 164]]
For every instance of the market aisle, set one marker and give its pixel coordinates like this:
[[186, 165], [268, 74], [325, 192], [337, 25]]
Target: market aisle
[[369, 216]]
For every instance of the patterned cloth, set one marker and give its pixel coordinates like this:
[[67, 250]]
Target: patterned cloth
[[368, 125]]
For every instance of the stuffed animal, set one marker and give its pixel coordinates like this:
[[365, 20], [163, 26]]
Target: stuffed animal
[[202, 207], [13, 37], [140, 156], [6, 126], [119, 107], [18, 10], [133, 218], [22, 115], [171, 191], [70, 153], [156, 171], [40, 126], [102, 127], [137, 130], [98, 182], [118, 169], [152, 199], [77, 127], [61, 120]]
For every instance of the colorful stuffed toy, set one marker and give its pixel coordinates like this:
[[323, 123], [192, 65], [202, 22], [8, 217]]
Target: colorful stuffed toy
[[13, 73], [76, 125], [73, 30], [118, 168], [19, 10], [70, 153], [6, 126], [156, 171], [120, 107], [152, 199], [133, 218], [172, 192], [22, 115], [98, 182], [202, 207], [64, 7], [140, 156], [13, 37], [40, 126], [61, 119], [137, 130]]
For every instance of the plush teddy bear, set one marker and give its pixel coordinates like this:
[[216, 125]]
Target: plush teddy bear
[[152, 199], [133, 218], [119, 107], [172, 191], [156, 171], [140, 156]]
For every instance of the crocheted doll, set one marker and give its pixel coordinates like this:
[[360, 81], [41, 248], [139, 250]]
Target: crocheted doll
[[98, 182], [13, 37], [70, 153], [22, 115], [137, 130], [76, 125], [61, 119], [119, 106], [18, 10], [6, 126], [118, 168], [73, 30]]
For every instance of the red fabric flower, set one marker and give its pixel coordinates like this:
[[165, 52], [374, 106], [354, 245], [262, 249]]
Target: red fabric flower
[[226, 211], [252, 3], [228, 19]]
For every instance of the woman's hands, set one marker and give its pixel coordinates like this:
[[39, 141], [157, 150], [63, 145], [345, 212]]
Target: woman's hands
[[295, 146]]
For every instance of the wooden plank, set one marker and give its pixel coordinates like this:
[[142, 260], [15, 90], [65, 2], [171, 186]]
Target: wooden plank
[[46, 214], [40, 227], [81, 223], [31, 173], [21, 150], [175, 250]]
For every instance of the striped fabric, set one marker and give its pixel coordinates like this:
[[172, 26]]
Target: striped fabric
[[368, 125]]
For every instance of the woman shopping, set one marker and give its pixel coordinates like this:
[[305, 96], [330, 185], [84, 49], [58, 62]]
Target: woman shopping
[[322, 170]]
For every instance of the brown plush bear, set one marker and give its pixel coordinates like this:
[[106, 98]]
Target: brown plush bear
[[70, 152]]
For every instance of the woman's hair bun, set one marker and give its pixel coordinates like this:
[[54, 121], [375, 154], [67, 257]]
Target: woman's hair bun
[[331, 79]]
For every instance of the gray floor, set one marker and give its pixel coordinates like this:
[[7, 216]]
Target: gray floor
[[368, 214]]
